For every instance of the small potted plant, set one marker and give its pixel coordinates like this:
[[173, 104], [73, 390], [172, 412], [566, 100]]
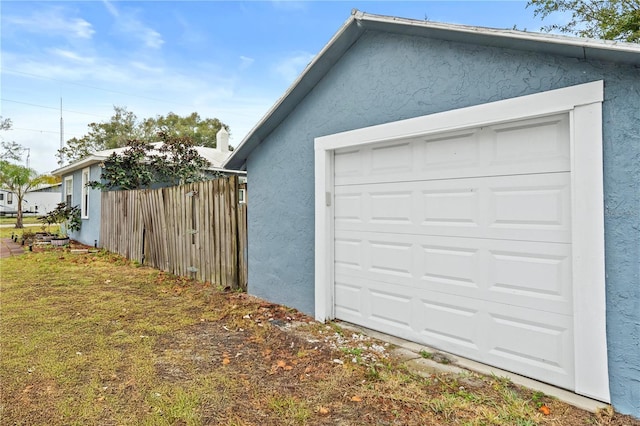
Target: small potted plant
[[68, 217]]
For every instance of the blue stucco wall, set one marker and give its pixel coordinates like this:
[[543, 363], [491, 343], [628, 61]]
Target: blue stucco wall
[[90, 230], [387, 77]]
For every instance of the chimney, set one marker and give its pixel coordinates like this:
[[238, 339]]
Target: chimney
[[222, 140]]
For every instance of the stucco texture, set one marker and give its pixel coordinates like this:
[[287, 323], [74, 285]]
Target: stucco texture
[[386, 77], [89, 232]]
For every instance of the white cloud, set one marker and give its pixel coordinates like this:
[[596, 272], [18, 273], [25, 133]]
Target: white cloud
[[245, 62], [129, 25], [146, 68], [51, 22], [151, 38], [111, 8], [67, 54], [291, 67]]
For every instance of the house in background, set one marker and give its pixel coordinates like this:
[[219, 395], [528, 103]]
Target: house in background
[[42, 199], [38, 201], [471, 189], [76, 175], [8, 202]]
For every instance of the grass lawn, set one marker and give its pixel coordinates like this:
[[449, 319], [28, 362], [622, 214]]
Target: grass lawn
[[12, 220], [93, 339], [7, 232]]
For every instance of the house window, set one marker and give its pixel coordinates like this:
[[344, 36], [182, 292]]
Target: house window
[[1, 197], [242, 196], [85, 193], [9, 197], [68, 190]]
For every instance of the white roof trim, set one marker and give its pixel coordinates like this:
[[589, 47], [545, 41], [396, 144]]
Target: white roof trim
[[215, 158], [505, 33]]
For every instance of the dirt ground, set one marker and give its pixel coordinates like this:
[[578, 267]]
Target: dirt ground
[[294, 354]]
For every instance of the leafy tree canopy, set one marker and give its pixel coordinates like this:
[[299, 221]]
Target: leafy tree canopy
[[175, 161], [201, 131], [19, 180], [124, 126], [603, 19], [9, 150], [115, 133]]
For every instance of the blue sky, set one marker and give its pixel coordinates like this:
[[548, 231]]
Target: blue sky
[[226, 59]]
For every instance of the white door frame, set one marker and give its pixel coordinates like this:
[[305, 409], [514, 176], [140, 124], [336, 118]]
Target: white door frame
[[584, 104]]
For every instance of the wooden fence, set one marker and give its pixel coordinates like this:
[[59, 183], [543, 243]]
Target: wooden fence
[[197, 230]]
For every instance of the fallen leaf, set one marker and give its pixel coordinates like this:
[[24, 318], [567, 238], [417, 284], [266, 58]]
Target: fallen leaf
[[356, 398], [281, 364], [226, 361], [288, 367], [323, 411], [544, 410]]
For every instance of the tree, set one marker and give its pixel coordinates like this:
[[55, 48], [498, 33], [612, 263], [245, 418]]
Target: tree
[[10, 150], [173, 162], [121, 127], [124, 126], [604, 19], [177, 161], [19, 180], [201, 131], [129, 170]]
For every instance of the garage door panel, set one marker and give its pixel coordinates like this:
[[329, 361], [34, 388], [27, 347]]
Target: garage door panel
[[391, 208], [535, 276], [388, 159], [542, 343], [520, 273], [348, 299], [545, 205], [450, 266], [532, 208], [391, 308], [390, 257], [490, 332], [451, 208], [522, 147], [541, 140], [448, 322], [348, 253], [457, 151]]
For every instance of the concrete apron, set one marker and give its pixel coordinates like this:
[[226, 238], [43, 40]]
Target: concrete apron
[[409, 354]]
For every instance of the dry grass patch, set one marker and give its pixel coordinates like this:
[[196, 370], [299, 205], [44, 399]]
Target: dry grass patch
[[96, 339]]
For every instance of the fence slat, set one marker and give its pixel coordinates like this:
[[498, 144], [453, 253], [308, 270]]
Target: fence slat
[[157, 224]]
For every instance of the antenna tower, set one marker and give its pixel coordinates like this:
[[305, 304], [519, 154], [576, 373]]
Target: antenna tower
[[61, 134]]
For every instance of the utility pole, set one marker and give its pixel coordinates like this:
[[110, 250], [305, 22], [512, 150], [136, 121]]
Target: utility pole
[[61, 135]]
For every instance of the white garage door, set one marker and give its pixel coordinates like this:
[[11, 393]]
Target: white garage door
[[462, 241]]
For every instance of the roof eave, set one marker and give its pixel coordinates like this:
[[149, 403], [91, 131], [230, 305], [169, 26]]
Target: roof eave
[[583, 48], [80, 164]]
